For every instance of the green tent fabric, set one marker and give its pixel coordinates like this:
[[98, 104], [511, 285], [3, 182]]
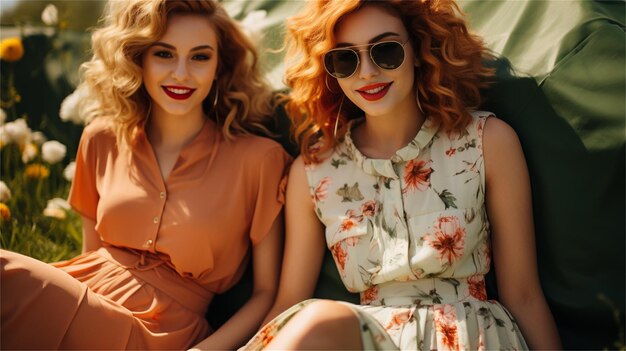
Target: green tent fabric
[[561, 86]]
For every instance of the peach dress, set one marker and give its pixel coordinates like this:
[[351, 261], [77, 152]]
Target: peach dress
[[411, 235], [168, 246]]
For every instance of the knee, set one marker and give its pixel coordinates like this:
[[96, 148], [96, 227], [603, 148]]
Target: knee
[[323, 324], [325, 314]]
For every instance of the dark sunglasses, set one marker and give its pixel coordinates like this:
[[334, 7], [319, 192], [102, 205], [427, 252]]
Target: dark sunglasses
[[343, 62]]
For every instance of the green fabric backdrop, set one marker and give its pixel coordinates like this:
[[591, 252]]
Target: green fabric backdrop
[[561, 86]]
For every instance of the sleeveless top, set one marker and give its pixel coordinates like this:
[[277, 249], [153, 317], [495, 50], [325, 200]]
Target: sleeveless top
[[420, 214], [411, 235]]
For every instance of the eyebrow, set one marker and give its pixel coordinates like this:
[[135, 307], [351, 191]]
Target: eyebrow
[[373, 40], [171, 47]]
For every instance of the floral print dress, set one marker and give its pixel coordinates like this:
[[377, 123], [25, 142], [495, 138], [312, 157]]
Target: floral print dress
[[411, 235]]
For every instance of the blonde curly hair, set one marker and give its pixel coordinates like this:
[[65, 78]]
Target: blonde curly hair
[[449, 78], [113, 76]]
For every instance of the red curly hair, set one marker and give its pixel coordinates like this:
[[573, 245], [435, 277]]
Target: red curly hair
[[449, 78]]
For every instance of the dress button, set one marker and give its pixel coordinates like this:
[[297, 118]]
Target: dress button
[[155, 220], [162, 195]]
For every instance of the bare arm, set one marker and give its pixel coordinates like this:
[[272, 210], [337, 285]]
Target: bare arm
[[304, 244], [509, 208], [91, 239], [243, 324]]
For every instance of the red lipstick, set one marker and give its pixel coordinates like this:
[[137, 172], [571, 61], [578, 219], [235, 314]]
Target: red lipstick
[[177, 92], [374, 92]]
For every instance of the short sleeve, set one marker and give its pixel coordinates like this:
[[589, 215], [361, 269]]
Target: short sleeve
[[84, 193], [272, 180]]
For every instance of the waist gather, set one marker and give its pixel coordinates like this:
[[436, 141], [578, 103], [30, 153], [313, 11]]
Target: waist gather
[[428, 291], [155, 271]]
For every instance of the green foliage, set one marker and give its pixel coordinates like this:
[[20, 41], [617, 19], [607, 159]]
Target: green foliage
[[28, 231], [31, 92]]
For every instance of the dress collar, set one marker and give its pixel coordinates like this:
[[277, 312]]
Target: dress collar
[[385, 167]]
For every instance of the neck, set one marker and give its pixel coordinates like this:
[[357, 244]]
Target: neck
[[167, 132], [382, 136]]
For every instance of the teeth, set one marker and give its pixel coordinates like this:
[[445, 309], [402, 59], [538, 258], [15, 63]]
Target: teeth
[[375, 90], [178, 91]]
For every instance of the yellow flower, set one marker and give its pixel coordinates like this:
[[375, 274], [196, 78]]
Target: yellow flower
[[5, 213], [37, 170], [11, 49]]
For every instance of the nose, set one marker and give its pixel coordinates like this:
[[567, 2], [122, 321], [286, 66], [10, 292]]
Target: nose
[[367, 68], [180, 71]]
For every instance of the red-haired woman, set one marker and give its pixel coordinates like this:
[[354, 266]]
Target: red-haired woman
[[413, 189]]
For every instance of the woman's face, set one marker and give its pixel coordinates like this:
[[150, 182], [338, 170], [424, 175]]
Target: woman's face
[[377, 91], [179, 69]]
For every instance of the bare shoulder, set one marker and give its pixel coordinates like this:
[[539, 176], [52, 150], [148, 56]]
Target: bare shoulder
[[297, 173], [498, 133], [502, 151]]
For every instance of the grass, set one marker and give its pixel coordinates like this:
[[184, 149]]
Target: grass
[[27, 230]]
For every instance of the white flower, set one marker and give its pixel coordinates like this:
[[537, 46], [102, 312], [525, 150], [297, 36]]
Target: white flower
[[3, 116], [29, 152], [253, 24], [50, 15], [16, 132], [53, 151], [5, 192], [68, 172], [38, 138], [56, 208], [69, 111]]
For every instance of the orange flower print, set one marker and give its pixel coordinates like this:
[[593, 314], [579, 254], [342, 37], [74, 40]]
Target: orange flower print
[[369, 208], [450, 152], [369, 295], [398, 318], [417, 175], [448, 238], [445, 324], [267, 334], [477, 287], [321, 190], [347, 224], [340, 256]]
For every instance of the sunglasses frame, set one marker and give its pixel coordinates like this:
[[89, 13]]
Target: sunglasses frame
[[368, 48]]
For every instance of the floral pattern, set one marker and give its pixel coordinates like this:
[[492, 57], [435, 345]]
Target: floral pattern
[[417, 175], [321, 190], [447, 239], [445, 321], [411, 235]]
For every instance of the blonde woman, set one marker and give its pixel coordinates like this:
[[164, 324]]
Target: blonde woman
[[175, 191], [413, 191]]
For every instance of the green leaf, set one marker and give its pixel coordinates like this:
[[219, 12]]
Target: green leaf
[[447, 198], [350, 193], [337, 162]]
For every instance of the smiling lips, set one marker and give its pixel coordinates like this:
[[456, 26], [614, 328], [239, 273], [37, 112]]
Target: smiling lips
[[374, 92], [176, 92]]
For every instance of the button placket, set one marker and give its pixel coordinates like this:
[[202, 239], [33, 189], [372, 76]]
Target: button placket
[[151, 243]]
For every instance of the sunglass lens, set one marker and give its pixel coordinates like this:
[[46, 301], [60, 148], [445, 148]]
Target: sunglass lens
[[388, 55], [341, 63]]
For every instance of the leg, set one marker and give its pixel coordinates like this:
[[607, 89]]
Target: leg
[[322, 325], [43, 307]]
